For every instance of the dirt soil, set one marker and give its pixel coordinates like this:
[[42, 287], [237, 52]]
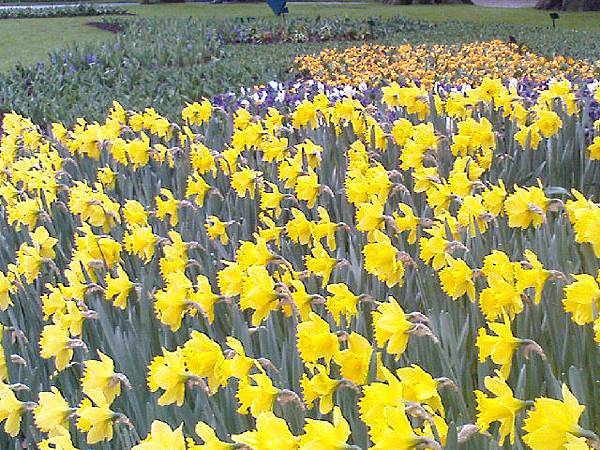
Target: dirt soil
[[111, 27]]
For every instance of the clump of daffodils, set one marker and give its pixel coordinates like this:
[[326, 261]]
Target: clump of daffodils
[[326, 275]]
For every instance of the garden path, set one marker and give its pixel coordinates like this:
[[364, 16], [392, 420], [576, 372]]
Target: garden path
[[506, 3]]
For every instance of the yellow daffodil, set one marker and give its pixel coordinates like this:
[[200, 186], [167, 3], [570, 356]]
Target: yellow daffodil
[[256, 398], [99, 375], [96, 418], [316, 341], [325, 435], [271, 432], [582, 299], [457, 279], [392, 327], [168, 372], [499, 348], [342, 302], [502, 408], [51, 412], [162, 436], [549, 423]]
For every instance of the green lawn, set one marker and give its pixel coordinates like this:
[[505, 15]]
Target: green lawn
[[28, 40]]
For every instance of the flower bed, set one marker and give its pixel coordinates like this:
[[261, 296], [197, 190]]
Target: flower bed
[[429, 64], [61, 11], [407, 273]]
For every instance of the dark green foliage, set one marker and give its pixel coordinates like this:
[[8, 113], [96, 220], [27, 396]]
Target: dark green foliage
[[569, 5], [313, 29], [61, 11]]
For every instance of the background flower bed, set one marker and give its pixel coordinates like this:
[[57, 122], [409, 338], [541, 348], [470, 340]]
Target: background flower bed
[[253, 30], [426, 65], [148, 65], [61, 11]]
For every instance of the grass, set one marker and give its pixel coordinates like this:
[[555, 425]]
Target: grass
[[28, 40]]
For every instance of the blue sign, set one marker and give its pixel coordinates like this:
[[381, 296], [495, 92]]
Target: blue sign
[[278, 6]]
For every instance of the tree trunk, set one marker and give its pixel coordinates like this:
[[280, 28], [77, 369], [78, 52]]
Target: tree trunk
[[591, 5], [549, 4]]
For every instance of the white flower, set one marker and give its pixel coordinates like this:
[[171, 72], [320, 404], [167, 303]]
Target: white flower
[[449, 126]]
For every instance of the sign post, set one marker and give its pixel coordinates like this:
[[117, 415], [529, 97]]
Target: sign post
[[279, 7], [554, 16]]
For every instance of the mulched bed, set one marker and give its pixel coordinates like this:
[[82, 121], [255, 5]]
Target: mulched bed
[[111, 27]]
